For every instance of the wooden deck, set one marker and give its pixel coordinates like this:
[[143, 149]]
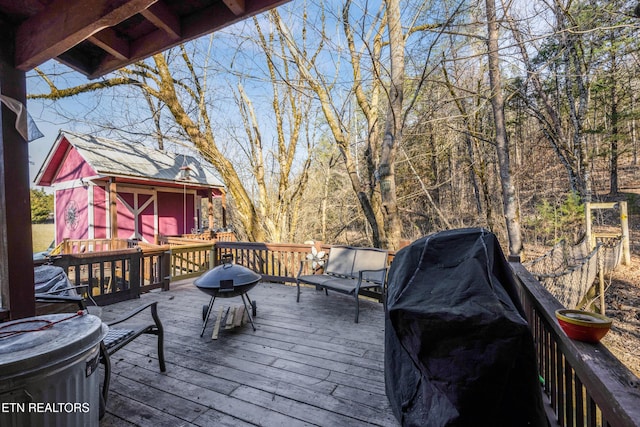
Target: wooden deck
[[308, 363]]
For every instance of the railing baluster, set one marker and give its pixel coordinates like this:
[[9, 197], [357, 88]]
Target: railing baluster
[[553, 379], [102, 278], [580, 401], [591, 411], [569, 404]]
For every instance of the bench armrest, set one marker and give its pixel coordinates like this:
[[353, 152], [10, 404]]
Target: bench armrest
[[382, 271], [302, 263], [383, 277], [154, 314]]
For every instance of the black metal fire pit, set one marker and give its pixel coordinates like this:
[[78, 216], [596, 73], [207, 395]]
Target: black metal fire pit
[[228, 280]]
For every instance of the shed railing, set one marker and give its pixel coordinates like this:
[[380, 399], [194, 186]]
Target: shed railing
[[585, 384]]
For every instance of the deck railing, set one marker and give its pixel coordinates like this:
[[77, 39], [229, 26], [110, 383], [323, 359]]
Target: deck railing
[[155, 267], [584, 383], [111, 276], [219, 236], [79, 246], [276, 262], [191, 260], [117, 275]]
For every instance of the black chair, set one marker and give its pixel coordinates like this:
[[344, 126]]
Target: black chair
[[129, 327], [120, 336]]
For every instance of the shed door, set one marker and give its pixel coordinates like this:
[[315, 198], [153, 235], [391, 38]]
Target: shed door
[[137, 215]]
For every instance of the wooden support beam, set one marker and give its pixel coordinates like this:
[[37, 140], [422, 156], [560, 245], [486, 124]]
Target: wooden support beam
[[109, 41], [160, 15], [16, 249], [235, 6], [224, 209], [65, 23], [210, 210], [209, 20], [113, 208], [587, 223]]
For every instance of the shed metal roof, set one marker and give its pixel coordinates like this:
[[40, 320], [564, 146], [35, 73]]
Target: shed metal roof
[[111, 158]]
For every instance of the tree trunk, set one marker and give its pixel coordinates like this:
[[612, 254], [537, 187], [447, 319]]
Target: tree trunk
[[393, 127], [613, 174], [509, 203]]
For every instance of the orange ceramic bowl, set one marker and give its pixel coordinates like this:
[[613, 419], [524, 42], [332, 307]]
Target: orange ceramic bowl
[[583, 325]]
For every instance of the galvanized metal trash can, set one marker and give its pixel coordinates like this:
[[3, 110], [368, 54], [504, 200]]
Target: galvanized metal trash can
[[48, 370]]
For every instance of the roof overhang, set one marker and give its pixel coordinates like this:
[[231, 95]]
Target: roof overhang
[[51, 163], [142, 182], [96, 37]]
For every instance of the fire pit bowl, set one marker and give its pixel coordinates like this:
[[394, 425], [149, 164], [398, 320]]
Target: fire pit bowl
[[583, 325], [228, 280]]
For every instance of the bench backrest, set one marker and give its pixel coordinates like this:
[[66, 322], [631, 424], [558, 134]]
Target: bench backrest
[[348, 261]]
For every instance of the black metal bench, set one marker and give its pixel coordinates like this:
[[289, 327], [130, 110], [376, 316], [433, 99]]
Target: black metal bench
[[116, 337], [349, 270]]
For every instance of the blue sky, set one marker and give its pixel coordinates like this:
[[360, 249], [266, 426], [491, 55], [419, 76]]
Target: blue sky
[[49, 124], [235, 59]]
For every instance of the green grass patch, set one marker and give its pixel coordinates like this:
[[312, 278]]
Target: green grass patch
[[42, 236]]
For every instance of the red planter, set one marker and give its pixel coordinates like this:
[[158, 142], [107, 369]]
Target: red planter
[[583, 325]]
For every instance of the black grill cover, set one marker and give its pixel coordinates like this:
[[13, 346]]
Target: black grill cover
[[458, 351]]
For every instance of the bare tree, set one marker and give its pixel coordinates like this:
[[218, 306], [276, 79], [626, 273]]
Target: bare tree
[[376, 88], [509, 202], [271, 215], [394, 123], [307, 64]]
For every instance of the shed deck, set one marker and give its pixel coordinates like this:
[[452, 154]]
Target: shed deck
[[307, 363]]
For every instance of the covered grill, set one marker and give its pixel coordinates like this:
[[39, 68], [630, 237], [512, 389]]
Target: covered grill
[[458, 350], [228, 280]]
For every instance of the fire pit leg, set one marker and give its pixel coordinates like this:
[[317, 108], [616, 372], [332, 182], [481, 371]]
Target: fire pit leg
[[206, 319], [253, 306], [246, 308]]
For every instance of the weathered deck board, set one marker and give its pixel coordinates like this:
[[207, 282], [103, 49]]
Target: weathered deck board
[[307, 363]]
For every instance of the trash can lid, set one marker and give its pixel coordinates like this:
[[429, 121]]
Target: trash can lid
[[37, 342]]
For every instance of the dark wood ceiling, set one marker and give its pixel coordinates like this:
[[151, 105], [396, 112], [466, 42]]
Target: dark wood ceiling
[[99, 36]]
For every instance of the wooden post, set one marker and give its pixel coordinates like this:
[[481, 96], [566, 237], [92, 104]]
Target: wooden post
[[224, 209], [212, 256], [624, 222], [16, 248], [210, 209], [165, 269], [624, 226], [113, 208], [134, 273], [589, 237], [600, 256]]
